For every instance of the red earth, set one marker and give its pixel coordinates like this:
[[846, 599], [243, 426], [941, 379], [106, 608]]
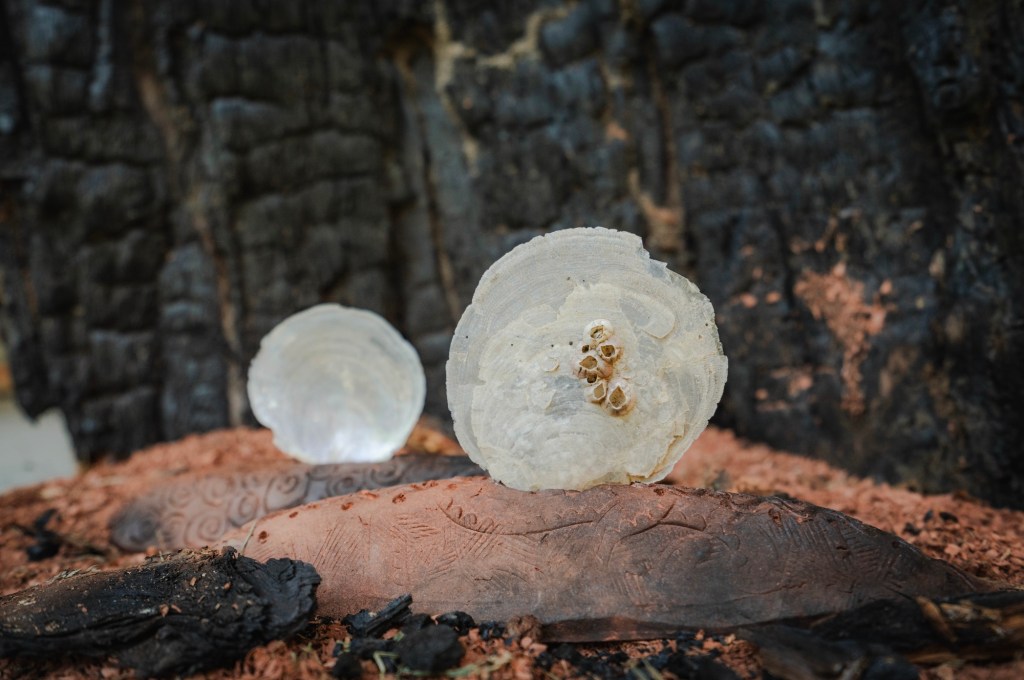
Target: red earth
[[977, 538]]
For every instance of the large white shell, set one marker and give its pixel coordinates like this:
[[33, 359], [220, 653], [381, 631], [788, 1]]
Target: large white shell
[[337, 384], [520, 406]]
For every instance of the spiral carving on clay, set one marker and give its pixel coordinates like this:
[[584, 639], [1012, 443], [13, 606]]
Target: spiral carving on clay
[[228, 501], [286, 489], [244, 506], [256, 481], [216, 489], [386, 475], [338, 483], [138, 527], [172, 532], [178, 495], [206, 527]]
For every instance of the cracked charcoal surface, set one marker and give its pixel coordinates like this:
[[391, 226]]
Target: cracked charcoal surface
[[842, 180], [433, 649], [173, 615]]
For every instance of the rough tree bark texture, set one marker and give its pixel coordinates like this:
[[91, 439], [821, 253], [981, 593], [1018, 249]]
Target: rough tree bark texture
[[843, 179]]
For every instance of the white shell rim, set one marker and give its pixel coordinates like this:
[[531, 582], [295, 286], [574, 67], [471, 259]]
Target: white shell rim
[[374, 389], [626, 258]]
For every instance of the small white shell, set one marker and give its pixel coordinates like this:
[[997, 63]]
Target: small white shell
[[551, 302], [337, 384]]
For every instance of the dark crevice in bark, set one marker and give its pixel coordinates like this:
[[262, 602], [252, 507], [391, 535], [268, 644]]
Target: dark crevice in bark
[[19, 315], [400, 256], [411, 69], [669, 235], [10, 60]]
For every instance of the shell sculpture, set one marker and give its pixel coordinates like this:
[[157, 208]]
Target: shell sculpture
[[581, 361], [337, 385]]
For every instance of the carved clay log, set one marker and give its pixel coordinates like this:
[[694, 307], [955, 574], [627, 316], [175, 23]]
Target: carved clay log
[[196, 510], [168, 616], [612, 562]]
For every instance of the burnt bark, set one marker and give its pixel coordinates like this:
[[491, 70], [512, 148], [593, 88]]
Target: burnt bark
[[170, 616], [843, 179], [977, 627]]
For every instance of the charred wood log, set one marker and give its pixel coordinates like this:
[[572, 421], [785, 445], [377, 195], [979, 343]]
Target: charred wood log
[[842, 180], [979, 626], [885, 639], [171, 615]]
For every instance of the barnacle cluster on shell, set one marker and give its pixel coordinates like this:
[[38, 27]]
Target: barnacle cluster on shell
[[337, 384], [596, 368], [518, 362]]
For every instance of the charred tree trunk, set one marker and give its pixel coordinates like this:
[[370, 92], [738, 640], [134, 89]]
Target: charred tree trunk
[[843, 179]]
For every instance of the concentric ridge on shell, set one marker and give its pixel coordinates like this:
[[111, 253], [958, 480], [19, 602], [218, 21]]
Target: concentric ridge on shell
[[582, 361], [337, 384]]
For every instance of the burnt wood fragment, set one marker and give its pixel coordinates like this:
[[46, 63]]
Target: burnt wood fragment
[[170, 615], [699, 667], [612, 562], [196, 510], [423, 646], [432, 649], [978, 626], [885, 638], [460, 622], [794, 653], [47, 542], [366, 623]]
